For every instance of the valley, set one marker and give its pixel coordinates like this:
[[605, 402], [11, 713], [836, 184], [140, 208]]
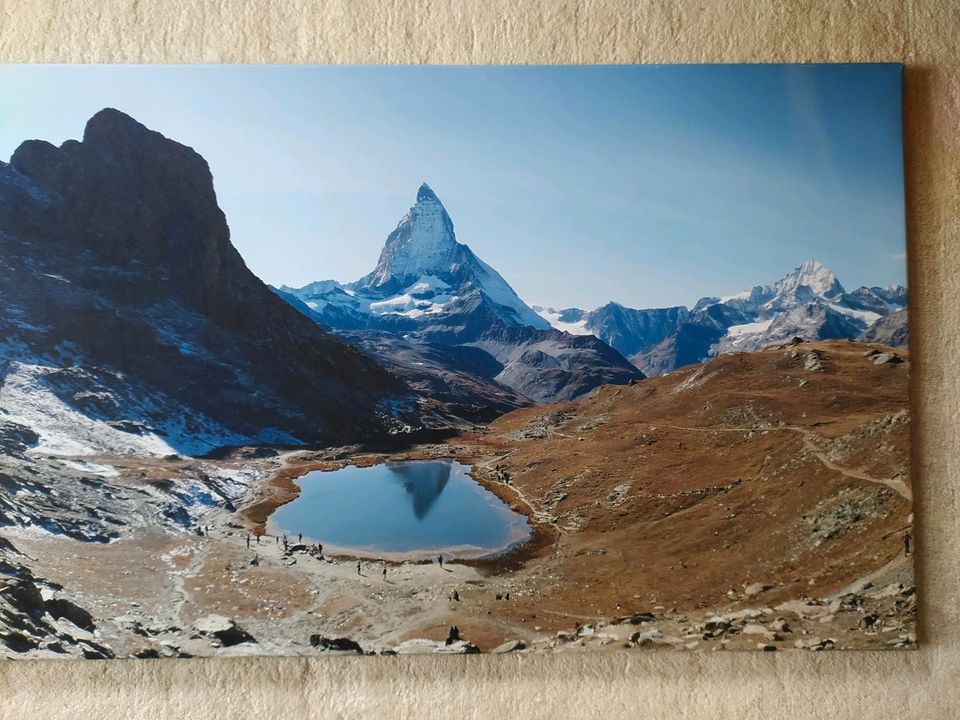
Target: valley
[[731, 475], [727, 505]]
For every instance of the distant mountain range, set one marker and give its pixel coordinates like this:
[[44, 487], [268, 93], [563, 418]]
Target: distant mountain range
[[441, 318], [808, 302], [130, 322]]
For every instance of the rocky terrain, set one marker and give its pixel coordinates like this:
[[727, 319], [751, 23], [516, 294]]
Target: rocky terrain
[[123, 301], [756, 501], [157, 402]]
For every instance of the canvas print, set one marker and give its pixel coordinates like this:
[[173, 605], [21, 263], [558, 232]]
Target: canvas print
[[390, 360]]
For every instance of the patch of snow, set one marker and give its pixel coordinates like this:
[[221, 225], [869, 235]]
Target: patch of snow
[[91, 468], [742, 295], [65, 431], [552, 316], [754, 328], [865, 315]]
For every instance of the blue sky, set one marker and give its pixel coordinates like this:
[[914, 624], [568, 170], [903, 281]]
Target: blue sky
[[648, 185]]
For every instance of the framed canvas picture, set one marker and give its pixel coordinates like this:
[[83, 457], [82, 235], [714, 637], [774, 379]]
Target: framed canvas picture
[[333, 360]]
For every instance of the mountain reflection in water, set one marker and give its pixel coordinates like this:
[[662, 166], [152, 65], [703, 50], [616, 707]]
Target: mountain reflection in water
[[414, 508], [423, 483]]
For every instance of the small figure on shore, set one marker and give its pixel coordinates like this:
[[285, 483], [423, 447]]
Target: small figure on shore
[[358, 569], [320, 548], [248, 541], [278, 539], [285, 543], [258, 538], [384, 573], [906, 542], [440, 561], [299, 537], [453, 635]]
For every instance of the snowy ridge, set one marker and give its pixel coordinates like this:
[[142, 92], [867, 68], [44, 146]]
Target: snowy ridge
[[422, 270], [808, 302]]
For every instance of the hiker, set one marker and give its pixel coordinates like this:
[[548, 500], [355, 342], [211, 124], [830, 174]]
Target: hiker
[[906, 542], [248, 541], [453, 635], [278, 539], [285, 543], [320, 548], [258, 538], [384, 573], [358, 569], [440, 561], [300, 537]]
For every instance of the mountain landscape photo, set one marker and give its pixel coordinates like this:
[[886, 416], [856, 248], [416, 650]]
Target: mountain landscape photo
[[266, 393]]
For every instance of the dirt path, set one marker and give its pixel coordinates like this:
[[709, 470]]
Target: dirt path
[[871, 578], [895, 484]]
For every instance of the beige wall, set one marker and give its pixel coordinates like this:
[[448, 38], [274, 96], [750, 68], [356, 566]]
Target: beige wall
[[924, 35]]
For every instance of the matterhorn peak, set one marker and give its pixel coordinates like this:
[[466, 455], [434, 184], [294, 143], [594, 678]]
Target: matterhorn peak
[[423, 243], [426, 194]]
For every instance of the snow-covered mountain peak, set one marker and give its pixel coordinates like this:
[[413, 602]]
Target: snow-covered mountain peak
[[812, 275], [426, 194], [423, 243]]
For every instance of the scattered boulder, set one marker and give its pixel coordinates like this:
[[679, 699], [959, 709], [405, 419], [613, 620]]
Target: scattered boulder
[[335, 644], [647, 638], [63, 608], [813, 361], [509, 646], [756, 588], [815, 644], [887, 358], [635, 619], [223, 629]]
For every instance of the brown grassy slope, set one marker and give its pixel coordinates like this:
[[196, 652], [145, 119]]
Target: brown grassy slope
[[682, 489]]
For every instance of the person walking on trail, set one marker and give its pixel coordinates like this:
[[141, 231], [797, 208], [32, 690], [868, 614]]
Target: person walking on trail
[[440, 561], [285, 543], [906, 542], [299, 537], [384, 573], [248, 541], [358, 569], [258, 538]]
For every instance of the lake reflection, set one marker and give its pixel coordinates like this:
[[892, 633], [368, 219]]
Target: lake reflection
[[404, 509]]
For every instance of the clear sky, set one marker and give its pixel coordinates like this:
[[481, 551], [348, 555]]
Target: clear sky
[[648, 185]]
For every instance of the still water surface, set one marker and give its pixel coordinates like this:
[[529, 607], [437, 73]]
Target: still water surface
[[403, 509]]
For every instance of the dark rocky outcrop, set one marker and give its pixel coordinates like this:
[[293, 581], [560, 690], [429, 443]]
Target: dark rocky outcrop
[[117, 259]]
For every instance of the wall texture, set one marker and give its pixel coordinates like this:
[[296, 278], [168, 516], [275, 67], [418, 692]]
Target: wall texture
[[923, 34]]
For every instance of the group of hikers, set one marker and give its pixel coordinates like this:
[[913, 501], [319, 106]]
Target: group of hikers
[[315, 550]]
